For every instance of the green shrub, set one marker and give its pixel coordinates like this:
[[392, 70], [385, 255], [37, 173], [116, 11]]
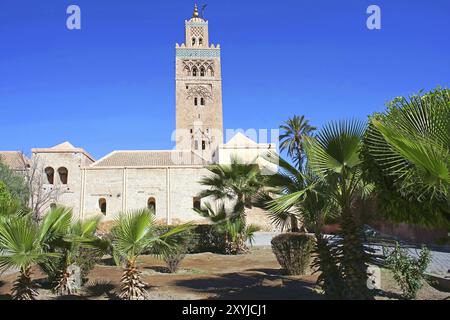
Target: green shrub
[[208, 239], [203, 238], [173, 260], [408, 271], [183, 243], [293, 251], [443, 241], [85, 258], [8, 203], [15, 183]]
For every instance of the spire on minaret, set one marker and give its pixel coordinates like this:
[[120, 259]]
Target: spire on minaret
[[195, 14]]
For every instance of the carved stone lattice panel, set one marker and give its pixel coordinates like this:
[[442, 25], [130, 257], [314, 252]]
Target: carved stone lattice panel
[[203, 91], [196, 31]]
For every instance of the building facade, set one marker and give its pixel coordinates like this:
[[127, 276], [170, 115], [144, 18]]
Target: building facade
[[164, 180]]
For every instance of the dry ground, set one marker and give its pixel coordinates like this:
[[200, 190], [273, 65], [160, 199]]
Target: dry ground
[[256, 275]]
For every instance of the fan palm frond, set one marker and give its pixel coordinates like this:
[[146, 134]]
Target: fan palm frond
[[336, 147], [135, 232], [410, 143]]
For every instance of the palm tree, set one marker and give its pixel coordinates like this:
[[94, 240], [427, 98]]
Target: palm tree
[[287, 181], [334, 155], [134, 233], [239, 182], [307, 196], [295, 130], [23, 244], [235, 231], [78, 236], [409, 151]]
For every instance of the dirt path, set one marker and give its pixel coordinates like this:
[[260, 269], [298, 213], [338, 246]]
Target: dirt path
[[256, 275]]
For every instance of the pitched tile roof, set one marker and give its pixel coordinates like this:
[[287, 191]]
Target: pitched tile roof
[[65, 147], [15, 160], [149, 158]]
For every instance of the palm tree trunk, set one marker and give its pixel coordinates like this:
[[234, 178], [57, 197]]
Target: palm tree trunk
[[330, 279], [132, 288], [294, 224], [64, 285], [353, 260], [23, 288], [240, 208]]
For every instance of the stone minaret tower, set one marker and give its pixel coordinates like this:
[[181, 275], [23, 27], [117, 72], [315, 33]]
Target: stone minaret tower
[[198, 91]]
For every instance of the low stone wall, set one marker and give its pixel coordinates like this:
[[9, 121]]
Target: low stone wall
[[411, 233]]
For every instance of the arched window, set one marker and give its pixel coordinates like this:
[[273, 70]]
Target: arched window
[[202, 101], [193, 41], [151, 204], [195, 101], [50, 173], [210, 72], [200, 41], [194, 71], [63, 175], [187, 71], [102, 205], [197, 203], [202, 71], [53, 206]]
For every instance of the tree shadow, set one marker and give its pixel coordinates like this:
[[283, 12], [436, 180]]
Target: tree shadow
[[107, 261], [389, 295], [159, 269], [98, 288], [246, 286], [275, 272], [71, 297], [440, 284], [43, 283]]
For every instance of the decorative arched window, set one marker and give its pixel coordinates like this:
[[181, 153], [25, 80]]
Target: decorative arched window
[[202, 71], [194, 71], [50, 173], [151, 204], [210, 72], [193, 41], [63, 175], [200, 41], [186, 71], [197, 203], [202, 101], [195, 101], [102, 205]]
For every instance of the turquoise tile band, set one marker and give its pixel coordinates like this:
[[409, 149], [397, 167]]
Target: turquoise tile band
[[197, 53]]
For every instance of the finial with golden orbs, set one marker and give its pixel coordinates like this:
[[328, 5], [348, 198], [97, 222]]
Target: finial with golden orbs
[[195, 15]]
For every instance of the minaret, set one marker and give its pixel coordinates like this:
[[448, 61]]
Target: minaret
[[198, 91]]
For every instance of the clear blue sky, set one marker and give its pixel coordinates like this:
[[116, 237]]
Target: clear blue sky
[[111, 85]]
